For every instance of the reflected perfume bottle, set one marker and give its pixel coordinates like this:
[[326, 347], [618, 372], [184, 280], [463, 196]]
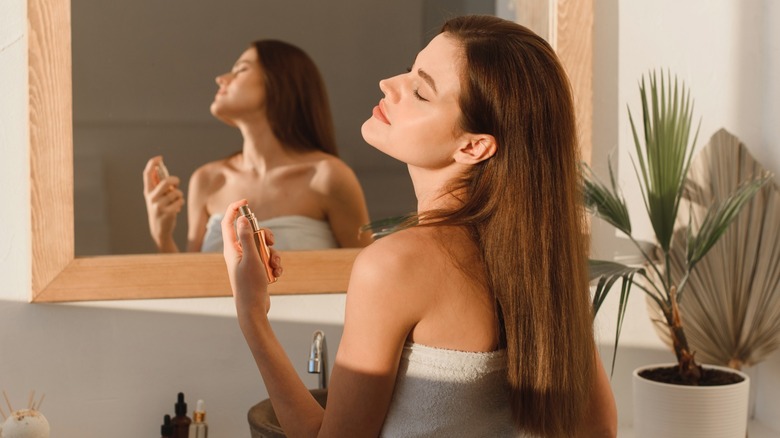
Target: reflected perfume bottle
[[260, 242], [162, 172]]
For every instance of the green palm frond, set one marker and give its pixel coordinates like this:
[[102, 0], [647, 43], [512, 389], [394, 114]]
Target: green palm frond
[[718, 218], [383, 227], [664, 159], [607, 274], [605, 202]]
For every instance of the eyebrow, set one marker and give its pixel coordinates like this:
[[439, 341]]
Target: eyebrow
[[427, 78]]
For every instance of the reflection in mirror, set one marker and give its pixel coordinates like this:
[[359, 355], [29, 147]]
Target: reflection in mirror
[[142, 86]]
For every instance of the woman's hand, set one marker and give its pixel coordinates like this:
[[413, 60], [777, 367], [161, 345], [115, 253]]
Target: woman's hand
[[164, 200], [245, 269]]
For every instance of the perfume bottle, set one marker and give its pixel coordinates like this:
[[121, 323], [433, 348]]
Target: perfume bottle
[[162, 172], [262, 246]]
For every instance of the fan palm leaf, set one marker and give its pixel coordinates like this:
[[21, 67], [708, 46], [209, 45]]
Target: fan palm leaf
[[731, 309], [664, 158]]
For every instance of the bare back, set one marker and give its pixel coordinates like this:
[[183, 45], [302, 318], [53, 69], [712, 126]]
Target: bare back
[[459, 309]]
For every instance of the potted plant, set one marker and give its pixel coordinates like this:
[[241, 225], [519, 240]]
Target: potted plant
[[663, 157], [731, 313]]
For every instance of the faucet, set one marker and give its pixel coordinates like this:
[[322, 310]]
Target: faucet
[[318, 358]]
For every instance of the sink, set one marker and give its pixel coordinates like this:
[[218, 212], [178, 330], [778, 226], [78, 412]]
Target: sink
[[262, 419]]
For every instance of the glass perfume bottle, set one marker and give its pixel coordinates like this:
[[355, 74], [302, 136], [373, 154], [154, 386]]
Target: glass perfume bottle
[[260, 241]]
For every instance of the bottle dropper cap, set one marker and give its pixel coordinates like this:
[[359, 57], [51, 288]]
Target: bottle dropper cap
[[166, 430], [181, 407]]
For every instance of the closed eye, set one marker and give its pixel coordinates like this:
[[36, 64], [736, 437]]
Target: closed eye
[[416, 91]]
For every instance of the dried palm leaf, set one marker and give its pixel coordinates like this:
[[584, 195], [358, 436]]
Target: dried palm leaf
[[731, 311]]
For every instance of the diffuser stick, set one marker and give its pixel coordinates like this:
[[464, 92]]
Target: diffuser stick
[[7, 401], [38, 407], [30, 400], [3, 413]]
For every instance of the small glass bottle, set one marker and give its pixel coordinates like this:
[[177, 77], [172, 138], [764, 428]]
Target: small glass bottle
[[181, 422], [199, 428], [166, 430]]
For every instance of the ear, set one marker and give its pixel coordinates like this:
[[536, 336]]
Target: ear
[[476, 148]]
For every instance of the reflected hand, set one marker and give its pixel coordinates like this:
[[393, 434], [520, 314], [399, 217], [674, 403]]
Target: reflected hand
[[164, 201], [245, 268]]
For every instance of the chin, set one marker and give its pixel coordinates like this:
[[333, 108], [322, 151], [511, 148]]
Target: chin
[[369, 135], [221, 117]]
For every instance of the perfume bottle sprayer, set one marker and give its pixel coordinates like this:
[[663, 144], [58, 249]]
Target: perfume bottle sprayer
[[162, 172], [262, 246]]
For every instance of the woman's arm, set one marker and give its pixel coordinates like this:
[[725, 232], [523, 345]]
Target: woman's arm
[[345, 204], [601, 416], [163, 203], [197, 213], [379, 317]]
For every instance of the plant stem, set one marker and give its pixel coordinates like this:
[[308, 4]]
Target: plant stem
[[689, 370]]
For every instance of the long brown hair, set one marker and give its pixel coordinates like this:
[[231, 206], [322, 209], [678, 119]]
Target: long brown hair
[[524, 211], [297, 101]]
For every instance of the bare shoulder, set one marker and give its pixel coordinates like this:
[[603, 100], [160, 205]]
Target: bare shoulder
[[389, 279], [404, 256], [211, 170], [207, 175], [332, 174]]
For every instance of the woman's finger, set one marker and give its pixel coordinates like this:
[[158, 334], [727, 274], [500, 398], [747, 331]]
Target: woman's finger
[[269, 237], [150, 174], [246, 238], [164, 187], [231, 244]]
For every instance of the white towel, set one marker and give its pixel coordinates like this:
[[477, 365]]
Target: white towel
[[291, 233], [447, 393]]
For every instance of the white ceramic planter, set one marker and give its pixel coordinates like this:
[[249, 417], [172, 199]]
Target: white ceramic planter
[[678, 411]]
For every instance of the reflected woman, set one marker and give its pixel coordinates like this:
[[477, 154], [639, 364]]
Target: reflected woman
[[475, 320], [288, 168]]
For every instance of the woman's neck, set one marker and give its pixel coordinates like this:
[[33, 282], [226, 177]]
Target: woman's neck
[[434, 188], [261, 149]]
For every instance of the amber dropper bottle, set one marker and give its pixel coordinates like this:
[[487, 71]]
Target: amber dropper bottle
[[181, 422], [166, 430], [262, 246]]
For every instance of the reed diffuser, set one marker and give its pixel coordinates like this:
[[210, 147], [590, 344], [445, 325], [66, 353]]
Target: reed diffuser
[[24, 423]]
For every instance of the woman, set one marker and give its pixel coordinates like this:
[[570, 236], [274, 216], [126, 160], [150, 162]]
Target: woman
[[476, 321], [287, 168]]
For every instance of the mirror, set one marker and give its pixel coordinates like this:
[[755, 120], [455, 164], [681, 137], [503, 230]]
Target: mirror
[[140, 91], [60, 276]]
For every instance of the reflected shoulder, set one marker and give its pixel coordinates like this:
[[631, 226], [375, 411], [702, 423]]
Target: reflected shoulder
[[332, 174]]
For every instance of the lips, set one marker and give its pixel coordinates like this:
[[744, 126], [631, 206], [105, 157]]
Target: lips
[[380, 114]]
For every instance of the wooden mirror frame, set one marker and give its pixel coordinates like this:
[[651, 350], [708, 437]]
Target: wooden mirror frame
[[58, 276]]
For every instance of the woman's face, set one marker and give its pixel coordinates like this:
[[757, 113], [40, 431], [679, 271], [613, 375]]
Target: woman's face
[[417, 121], [241, 91]]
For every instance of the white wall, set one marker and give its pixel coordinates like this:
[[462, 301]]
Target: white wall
[[728, 54]]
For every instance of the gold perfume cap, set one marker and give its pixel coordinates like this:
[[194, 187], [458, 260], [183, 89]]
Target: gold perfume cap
[[246, 212]]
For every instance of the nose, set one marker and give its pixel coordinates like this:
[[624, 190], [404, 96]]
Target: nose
[[389, 88], [222, 79]]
